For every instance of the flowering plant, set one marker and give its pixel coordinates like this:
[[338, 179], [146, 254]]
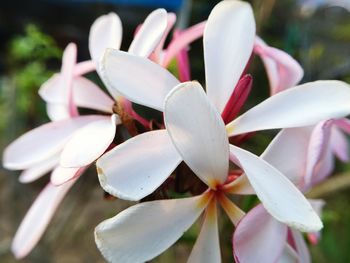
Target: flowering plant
[[194, 150]]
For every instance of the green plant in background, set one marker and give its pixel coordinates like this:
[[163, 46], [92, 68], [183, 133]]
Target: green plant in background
[[29, 61]]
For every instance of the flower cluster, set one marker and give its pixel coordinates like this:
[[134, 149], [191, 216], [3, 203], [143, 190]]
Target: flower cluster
[[194, 148]]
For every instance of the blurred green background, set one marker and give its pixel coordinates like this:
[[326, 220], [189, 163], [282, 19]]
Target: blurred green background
[[33, 35]]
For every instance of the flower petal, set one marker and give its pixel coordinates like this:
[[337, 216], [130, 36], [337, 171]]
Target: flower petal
[[41, 143], [37, 219], [150, 33], [340, 144], [135, 168], [282, 69], [303, 105], [318, 151], [301, 247], [105, 32], [171, 19], [89, 142], [278, 195], [181, 41], [85, 94], [288, 153], [152, 84], [288, 256], [145, 230], [31, 174], [228, 44], [61, 175], [88, 95], [57, 112], [207, 246], [240, 186], [259, 237], [198, 132]]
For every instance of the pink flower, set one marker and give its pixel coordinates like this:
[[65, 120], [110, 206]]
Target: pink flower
[[292, 152]]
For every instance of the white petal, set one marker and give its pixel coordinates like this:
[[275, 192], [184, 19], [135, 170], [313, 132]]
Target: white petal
[[61, 175], [88, 95], [288, 153], [207, 247], [303, 105], [228, 44], [135, 168], [39, 170], [39, 144], [150, 33], [57, 112], [198, 132], [105, 32], [259, 237], [51, 90], [278, 195], [37, 219], [149, 88], [89, 143], [145, 230]]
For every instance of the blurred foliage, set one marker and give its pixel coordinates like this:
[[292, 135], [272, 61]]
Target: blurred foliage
[[28, 63]]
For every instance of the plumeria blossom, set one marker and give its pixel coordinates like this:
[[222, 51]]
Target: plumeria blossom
[[64, 93], [74, 141], [293, 151], [145, 161], [125, 238]]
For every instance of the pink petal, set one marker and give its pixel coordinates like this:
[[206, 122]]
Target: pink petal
[[237, 99], [181, 41], [339, 144], [41, 143], [318, 151], [84, 67], [259, 237], [69, 60], [183, 63], [171, 19], [37, 219], [283, 71], [300, 247]]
